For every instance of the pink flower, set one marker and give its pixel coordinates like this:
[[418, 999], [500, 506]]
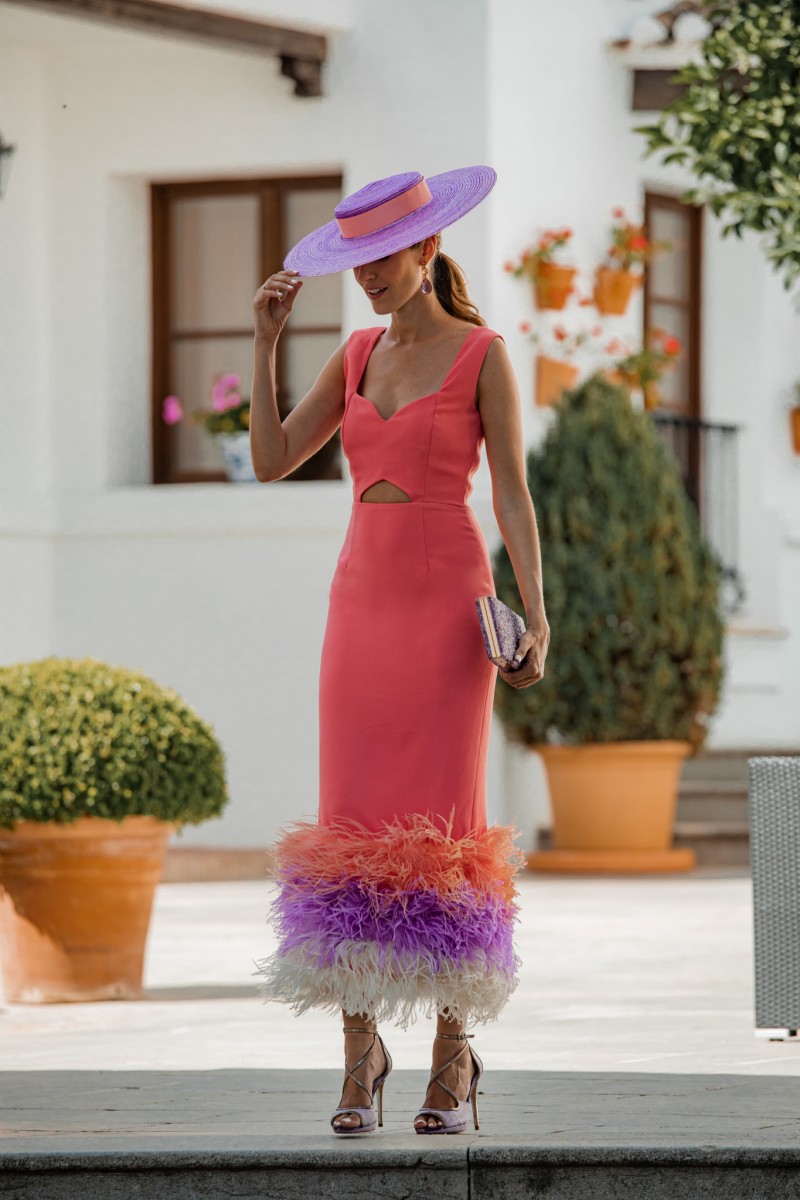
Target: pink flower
[[225, 392], [229, 380], [525, 326], [171, 410]]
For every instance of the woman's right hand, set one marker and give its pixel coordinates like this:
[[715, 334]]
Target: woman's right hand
[[273, 302]]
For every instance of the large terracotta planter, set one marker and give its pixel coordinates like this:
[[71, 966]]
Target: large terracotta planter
[[552, 378], [75, 903], [552, 285], [613, 807], [613, 290]]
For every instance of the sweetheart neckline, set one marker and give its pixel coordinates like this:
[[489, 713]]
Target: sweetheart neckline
[[411, 403], [397, 411]]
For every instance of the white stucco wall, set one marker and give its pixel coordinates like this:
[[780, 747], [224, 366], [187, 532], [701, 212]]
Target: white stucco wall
[[95, 561], [561, 140]]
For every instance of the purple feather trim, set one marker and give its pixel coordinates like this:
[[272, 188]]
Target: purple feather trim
[[456, 930]]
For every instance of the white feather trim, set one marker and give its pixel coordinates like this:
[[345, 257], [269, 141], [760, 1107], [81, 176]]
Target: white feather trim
[[357, 982]]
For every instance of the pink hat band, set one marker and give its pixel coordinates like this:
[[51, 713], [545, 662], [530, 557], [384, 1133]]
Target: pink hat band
[[385, 214], [388, 215]]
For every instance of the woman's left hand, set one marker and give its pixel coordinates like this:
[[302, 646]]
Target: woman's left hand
[[533, 648]]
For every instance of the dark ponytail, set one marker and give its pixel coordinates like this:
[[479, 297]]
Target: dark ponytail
[[451, 286]]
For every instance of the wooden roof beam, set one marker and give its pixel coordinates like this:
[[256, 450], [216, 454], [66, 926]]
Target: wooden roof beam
[[301, 53]]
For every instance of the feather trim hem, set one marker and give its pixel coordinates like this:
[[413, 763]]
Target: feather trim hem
[[406, 854], [372, 980]]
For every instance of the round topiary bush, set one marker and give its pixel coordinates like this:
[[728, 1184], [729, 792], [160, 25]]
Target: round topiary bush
[[631, 586], [80, 738]]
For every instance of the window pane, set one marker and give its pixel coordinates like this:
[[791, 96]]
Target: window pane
[[674, 381], [214, 262], [306, 355], [320, 301], [669, 270], [195, 364]]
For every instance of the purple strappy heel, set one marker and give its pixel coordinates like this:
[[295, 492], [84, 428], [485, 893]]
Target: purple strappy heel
[[366, 1113], [454, 1120]]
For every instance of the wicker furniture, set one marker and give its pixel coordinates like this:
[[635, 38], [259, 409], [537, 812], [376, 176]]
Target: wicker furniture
[[774, 812]]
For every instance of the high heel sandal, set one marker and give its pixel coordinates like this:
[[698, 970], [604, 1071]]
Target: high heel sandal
[[367, 1113], [454, 1120]]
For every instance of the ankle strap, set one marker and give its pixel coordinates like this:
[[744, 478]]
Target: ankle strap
[[458, 1037], [357, 1029]]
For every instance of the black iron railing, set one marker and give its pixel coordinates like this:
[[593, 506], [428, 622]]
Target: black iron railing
[[707, 454]]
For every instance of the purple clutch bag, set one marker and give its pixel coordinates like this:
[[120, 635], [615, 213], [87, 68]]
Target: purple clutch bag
[[501, 628]]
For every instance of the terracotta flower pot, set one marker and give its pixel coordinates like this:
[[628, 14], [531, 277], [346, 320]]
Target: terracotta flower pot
[[628, 379], [613, 807], [75, 903], [553, 377], [794, 417], [552, 285], [652, 394], [613, 289]]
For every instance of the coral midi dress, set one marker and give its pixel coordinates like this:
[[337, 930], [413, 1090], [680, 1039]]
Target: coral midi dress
[[399, 897]]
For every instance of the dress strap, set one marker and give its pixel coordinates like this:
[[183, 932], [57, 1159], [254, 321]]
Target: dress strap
[[463, 379], [357, 351]]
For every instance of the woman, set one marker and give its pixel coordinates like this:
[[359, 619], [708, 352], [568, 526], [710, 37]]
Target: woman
[[399, 897]]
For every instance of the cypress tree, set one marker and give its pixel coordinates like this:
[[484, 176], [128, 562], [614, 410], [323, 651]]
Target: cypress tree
[[631, 586]]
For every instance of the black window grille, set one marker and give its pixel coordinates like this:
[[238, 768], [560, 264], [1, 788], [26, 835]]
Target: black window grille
[[707, 454]]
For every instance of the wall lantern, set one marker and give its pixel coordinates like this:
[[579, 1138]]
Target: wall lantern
[[6, 150]]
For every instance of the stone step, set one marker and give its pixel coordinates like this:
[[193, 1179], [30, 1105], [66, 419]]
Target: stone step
[[464, 1168], [729, 766], [179, 1135], [715, 843], [705, 800], [210, 864]]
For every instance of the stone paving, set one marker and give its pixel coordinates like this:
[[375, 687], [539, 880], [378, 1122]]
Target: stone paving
[[639, 974], [629, 1046]]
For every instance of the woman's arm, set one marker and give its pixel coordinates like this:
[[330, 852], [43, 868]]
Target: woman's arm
[[499, 404], [278, 447]]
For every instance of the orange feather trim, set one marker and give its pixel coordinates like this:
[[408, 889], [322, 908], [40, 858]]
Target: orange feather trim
[[407, 854]]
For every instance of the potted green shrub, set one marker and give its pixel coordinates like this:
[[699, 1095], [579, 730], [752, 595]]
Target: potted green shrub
[[634, 668], [98, 766]]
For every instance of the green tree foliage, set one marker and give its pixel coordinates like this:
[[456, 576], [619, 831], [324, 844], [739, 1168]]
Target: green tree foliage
[[80, 738], [737, 125], [630, 585]]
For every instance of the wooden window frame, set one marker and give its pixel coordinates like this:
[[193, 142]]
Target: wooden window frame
[[693, 305], [273, 193]]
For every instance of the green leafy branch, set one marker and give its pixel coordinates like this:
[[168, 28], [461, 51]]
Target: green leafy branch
[[737, 125]]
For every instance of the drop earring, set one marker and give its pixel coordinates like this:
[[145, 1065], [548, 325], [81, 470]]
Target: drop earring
[[426, 287]]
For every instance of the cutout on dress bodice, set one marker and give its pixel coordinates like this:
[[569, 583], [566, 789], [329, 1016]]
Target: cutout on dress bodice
[[385, 492]]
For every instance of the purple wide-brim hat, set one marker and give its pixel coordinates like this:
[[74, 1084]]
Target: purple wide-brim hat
[[388, 215]]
